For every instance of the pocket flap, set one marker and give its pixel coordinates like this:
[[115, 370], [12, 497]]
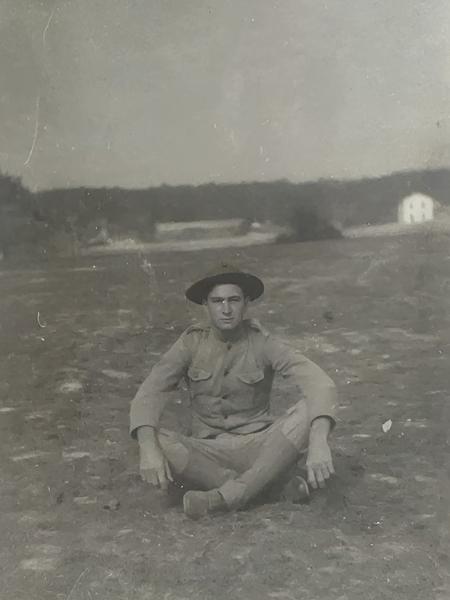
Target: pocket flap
[[251, 377], [197, 374]]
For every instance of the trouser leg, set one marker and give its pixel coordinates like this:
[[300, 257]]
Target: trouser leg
[[196, 463], [280, 449]]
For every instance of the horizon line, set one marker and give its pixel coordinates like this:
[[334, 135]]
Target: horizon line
[[229, 183]]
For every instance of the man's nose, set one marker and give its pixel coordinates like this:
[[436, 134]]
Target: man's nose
[[226, 307]]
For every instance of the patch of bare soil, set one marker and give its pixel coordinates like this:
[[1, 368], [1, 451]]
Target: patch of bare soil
[[77, 338]]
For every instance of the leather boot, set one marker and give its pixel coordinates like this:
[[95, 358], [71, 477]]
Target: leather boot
[[200, 504]]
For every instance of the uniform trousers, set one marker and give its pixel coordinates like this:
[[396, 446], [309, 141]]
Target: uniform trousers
[[239, 466]]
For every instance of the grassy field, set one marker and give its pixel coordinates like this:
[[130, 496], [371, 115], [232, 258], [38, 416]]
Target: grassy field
[[79, 335]]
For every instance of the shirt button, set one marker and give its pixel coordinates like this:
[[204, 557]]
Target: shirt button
[[226, 372], [224, 396]]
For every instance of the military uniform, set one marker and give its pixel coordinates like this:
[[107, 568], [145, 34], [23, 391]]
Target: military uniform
[[237, 445]]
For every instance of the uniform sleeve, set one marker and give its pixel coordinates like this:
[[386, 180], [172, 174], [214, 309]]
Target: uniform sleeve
[[151, 398], [317, 387]]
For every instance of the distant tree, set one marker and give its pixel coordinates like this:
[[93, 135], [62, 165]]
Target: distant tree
[[15, 212], [11, 189]]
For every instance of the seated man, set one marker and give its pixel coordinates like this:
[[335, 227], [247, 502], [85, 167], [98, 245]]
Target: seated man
[[237, 448]]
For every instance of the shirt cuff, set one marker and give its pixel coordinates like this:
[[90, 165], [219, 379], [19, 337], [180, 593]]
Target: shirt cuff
[[136, 423], [329, 417]]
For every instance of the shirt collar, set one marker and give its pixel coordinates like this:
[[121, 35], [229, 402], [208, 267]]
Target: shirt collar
[[237, 335]]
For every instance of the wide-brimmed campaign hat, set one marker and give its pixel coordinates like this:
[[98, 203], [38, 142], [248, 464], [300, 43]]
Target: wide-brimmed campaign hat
[[251, 285]]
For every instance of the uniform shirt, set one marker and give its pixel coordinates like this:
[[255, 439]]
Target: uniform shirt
[[229, 382]]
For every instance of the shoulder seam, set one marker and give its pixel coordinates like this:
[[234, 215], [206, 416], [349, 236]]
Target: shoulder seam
[[196, 327], [256, 325]]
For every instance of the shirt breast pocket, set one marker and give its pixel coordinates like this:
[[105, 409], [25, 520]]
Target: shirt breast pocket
[[251, 388], [251, 377], [198, 378]]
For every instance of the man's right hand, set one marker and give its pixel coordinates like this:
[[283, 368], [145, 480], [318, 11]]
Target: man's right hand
[[154, 466]]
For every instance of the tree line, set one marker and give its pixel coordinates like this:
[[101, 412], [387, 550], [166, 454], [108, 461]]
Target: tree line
[[314, 209]]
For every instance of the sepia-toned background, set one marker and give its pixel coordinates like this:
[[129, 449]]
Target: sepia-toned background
[[142, 142]]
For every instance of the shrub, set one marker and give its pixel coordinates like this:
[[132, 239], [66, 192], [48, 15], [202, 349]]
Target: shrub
[[307, 225]]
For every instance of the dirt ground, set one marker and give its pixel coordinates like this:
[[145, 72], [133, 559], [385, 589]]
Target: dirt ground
[[79, 335]]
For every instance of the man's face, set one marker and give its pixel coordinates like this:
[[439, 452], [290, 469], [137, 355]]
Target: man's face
[[226, 306]]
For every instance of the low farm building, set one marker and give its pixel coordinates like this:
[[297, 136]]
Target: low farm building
[[193, 230]]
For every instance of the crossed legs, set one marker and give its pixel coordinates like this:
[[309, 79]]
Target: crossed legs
[[239, 467]]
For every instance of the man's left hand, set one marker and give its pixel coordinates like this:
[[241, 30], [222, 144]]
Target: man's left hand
[[319, 462]]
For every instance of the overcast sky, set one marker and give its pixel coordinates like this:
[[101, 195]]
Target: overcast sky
[[143, 92]]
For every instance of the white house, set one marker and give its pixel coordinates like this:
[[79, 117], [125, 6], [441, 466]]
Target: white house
[[416, 208]]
